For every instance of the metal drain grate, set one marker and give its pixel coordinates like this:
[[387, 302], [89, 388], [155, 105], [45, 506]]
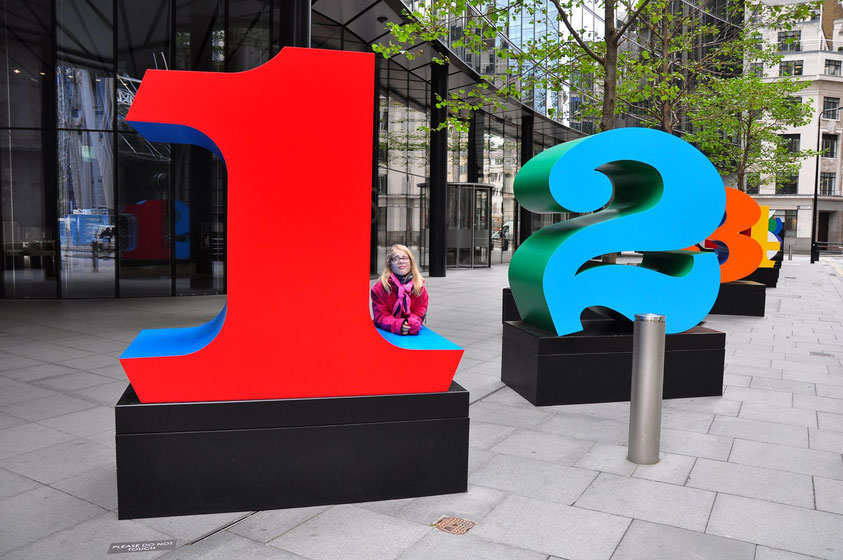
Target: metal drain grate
[[823, 354], [454, 525]]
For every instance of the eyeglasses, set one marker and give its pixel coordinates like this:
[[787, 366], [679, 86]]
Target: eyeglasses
[[399, 259]]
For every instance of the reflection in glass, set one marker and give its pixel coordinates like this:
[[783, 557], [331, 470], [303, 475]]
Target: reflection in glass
[[199, 221], [143, 224], [29, 266], [86, 220], [26, 45], [85, 64], [143, 43], [249, 42], [200, 35]]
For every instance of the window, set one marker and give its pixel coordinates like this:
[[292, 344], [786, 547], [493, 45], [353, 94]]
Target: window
[[830, 106], [827, 184], [753, 180], [789, 222], [832, 67], [789, 41], [756, 69], [786, 184], [790, 68], [790, 142], [829, 148]]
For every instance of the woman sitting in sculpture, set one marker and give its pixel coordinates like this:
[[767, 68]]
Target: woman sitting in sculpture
[[399, 297]]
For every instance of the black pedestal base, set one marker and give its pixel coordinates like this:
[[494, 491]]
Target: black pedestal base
[[741, 298], [595, 365], [767, 276], [212, 457]]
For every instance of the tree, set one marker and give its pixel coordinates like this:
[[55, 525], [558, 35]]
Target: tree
[[545, 61], [738, 124]]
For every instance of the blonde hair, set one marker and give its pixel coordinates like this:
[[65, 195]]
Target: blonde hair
[[418, 281]]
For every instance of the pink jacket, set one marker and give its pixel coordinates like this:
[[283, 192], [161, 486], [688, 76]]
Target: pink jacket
[[383, 302]]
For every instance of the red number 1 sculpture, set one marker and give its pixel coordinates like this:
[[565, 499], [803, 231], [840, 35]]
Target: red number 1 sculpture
[[297, 321]]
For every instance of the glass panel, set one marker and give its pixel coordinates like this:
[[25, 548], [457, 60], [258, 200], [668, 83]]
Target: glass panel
[[249, 43], [26, 52], [200, 35], [86, 218], [465, 216], [142, 43], [199, 221], [481, 227], [85, 64], [29, 239], [143, 224]]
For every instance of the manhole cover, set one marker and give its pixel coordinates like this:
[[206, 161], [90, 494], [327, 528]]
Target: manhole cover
[[823, 354], [454, 525]]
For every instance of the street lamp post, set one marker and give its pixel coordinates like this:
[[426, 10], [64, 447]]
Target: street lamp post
[[815, 250]]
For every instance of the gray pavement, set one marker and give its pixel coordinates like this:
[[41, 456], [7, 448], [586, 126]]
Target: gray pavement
[[754, 475]]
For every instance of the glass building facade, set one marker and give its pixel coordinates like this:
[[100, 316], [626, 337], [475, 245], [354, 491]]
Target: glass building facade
[[91, 209]]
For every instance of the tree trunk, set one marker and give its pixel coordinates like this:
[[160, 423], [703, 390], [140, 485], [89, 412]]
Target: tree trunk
[[610, 82]]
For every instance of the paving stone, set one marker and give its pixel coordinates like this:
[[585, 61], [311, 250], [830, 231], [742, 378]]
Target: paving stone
[[692, 443], [753, 482], [190, 528], [823, 404], [33, 515], [536, 479], [478, 385], [712, 405], [97, 486], [73, 381], [834, 391], [12, 483], [47, 407], [758, 430], [28, 437], [829, 494], [9, 421], [493, 413], [543, 446], [778, 415], [264, 526], [473, 505], [51, 464], [679, 419], [784, 386], [438, 544], [828, 421], [587, 427], [671, 468], [764, 553], [758, 396], [784, 527], [20, 393], [17, 362], [355, 534], [90, 362], [667, 504], [647, 541], [551, 528], [791, 459], [484, 435], [107, 394], [812, 376], [83, 423], [826, 440], [607, 458], [735, 380], [36, 372], [228, 546], [478, 458], [90, 539], [765, 372]]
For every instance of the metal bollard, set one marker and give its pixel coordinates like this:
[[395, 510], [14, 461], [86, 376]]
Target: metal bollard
[[790, 252], [645, 406]]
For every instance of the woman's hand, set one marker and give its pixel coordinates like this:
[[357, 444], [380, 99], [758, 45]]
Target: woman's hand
[[405, 327]]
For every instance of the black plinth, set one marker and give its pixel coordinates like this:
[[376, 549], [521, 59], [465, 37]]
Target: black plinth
[[767, 276], [212, 457], [595, 365], [741, 298]]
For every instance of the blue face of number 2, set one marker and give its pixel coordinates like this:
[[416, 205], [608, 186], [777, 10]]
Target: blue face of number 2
[[648, 191]]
